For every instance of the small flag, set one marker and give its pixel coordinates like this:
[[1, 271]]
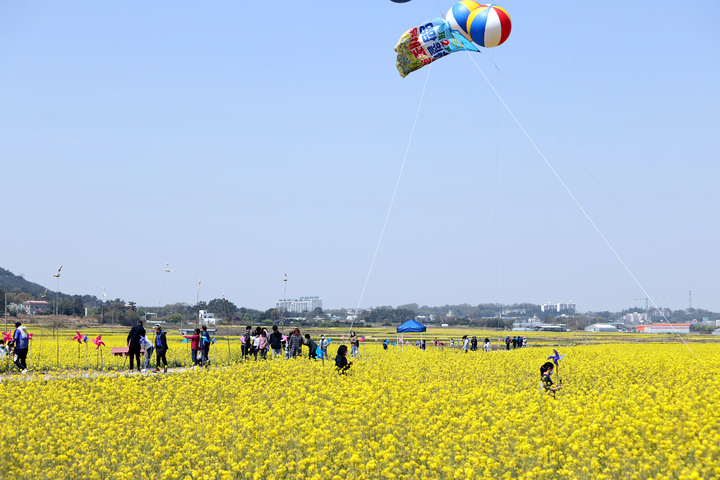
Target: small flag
[[30, 336], [362, 339]]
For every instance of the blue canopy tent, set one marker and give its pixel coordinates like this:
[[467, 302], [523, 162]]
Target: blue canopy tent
[[411, 326]]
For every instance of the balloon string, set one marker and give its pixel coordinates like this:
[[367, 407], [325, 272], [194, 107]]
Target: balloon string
[[392, 200], [601, 185], [578, 203]]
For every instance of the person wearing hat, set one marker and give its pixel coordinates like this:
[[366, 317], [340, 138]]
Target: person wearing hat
[[161, 348], [133, 342], [323, 345]]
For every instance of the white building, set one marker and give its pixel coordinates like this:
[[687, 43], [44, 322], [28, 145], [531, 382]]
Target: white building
[[301, 305], [634, 317], [558, 307], [600, 327], [207, 318]]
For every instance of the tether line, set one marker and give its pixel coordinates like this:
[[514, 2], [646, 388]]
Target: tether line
[[601, 185], [392, 200], [578, 203]]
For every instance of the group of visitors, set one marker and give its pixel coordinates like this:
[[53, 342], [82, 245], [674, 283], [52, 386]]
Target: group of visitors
[[516, 342], [18, 347]]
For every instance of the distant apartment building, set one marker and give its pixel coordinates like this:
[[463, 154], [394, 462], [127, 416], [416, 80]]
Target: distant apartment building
[[32, 307], [634, 317], [558, 307], [299, 305], [659, 313], [508, 311]]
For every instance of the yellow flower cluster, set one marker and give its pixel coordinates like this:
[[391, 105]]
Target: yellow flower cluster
[[625, 411]]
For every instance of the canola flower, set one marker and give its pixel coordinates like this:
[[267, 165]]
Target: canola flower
[[626, 411]]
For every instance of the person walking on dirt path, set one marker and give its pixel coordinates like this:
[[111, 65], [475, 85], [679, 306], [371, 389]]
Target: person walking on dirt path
[[161, 348], [21, 344], [194, 346], [133, 343]]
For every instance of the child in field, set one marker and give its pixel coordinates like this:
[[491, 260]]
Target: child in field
[[546, 372]]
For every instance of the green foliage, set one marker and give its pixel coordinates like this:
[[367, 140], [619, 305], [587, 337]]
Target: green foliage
[[388, 315], [174, 318]]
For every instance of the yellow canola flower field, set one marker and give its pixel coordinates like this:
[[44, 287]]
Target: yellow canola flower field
[[626, 411]]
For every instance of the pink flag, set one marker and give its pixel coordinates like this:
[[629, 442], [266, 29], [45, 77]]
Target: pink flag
[[78, 337], [98, 341], [30, 336], [362, 339]]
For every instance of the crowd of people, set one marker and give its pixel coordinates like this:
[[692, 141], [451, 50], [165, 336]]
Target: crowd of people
[[257, 343]]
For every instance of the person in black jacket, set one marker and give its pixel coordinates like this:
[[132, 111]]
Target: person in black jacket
[[276, 341], [133, 340], [341, 363], [161, 347], [312, 346], [473, 343], [246, 342]]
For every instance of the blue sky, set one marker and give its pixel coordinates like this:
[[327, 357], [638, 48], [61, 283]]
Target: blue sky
[[239, 141]]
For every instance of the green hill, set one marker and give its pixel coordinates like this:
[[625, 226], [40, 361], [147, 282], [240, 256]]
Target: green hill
[[16, 286]]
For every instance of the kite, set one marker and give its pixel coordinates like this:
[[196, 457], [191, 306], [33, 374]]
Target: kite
[[468, 23]]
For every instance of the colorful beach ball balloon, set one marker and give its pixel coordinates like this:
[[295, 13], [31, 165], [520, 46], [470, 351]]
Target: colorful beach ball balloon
[[485, 25]]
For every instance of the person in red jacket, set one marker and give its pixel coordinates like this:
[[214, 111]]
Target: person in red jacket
[[194, 345]]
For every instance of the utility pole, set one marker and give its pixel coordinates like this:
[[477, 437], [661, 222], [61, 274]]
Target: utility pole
[[690, 300]]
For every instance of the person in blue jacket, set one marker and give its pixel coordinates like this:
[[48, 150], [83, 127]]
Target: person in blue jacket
[[21, 343], [205, 346]]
